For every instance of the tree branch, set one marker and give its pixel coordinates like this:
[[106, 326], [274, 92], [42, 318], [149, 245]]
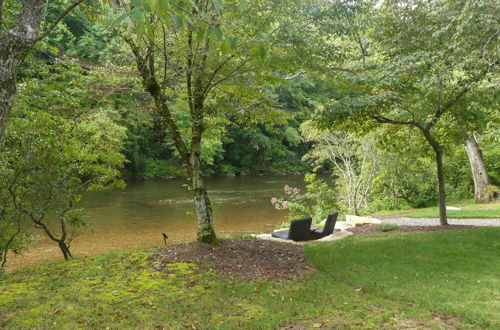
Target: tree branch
[[385, 120], [445, 107], [58, 19], [154, 89], [227, 76], [298, 74]]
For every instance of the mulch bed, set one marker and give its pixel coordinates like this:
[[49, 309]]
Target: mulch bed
[[246, 259], [369, 228]]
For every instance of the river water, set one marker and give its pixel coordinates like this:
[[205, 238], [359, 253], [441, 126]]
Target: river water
[[137, 216]]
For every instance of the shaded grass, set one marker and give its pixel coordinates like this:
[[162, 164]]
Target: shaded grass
[[452, 272], [368, 281]]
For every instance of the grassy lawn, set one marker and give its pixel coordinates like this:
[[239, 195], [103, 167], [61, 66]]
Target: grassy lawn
[[468, 210], [392, 280], [454, 272]]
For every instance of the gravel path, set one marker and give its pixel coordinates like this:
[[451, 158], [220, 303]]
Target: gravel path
[[435, 222]]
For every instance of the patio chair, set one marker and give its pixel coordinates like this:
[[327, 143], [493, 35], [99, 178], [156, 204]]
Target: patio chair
[[327, 229], [299, 230]]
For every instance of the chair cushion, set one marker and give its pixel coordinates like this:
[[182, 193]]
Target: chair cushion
[[299, 229]]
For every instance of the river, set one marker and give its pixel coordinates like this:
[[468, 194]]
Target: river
[[137, 216]]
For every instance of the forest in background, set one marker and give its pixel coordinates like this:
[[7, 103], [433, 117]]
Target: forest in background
[[325, 89], [84, 69]]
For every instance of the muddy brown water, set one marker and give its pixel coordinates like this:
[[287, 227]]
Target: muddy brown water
[[137, 216]]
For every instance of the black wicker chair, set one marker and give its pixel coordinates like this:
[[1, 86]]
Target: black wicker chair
[[327, 229], [299, 230]]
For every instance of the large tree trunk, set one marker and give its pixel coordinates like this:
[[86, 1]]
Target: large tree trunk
[[478, 168], [443, 219], [15, 44]]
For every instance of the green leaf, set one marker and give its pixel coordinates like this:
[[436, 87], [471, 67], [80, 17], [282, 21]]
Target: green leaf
[[163, 6], [177, 20], [136, 14], [224, 47], [260, 51], [140, 27], [202, 31], [216, 32], [242, 4], [232, 43], [218, 6], [153, 4], [119, 19]]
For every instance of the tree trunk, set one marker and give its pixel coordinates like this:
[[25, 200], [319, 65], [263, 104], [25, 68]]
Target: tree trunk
[[206, 232], [7, 247], [11, 56], [478, 168], [443, 219], [65, 250], [15, 44]]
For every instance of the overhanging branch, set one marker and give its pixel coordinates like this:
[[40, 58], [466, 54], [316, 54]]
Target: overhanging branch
[[386, 120], [58, 19], [445, 107]]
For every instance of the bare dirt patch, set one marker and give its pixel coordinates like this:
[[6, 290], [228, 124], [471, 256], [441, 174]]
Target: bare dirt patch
[[247, 259], [370, 228]]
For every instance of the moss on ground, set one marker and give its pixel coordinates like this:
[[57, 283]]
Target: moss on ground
[[365, 282]]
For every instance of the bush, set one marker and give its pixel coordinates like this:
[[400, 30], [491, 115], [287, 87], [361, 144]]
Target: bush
[[318, 201], [385, 227]]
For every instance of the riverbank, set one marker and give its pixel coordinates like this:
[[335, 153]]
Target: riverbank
[[391, 280], [136, 217]]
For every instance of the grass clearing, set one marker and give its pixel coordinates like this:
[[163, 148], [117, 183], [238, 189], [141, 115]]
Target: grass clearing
[[452, 272], [468, 210], [367, 281]]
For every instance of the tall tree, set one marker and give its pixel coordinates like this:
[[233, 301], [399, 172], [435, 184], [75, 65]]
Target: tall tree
[[354, 160], [203, 60], [417, 64], [47, 163], [18, 36]]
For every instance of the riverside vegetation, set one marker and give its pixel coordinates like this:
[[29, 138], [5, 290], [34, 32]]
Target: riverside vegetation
[[395, 101]]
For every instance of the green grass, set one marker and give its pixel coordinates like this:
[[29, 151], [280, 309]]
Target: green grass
[[453, 272], [468, 210], [394, 280]]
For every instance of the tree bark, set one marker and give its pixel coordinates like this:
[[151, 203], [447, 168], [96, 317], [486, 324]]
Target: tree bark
[[7, 247], [443, 219], [478, 168], [206, 232], [65, 250], [15, 44]]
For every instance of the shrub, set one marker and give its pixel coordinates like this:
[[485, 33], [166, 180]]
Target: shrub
[[384, 227]]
